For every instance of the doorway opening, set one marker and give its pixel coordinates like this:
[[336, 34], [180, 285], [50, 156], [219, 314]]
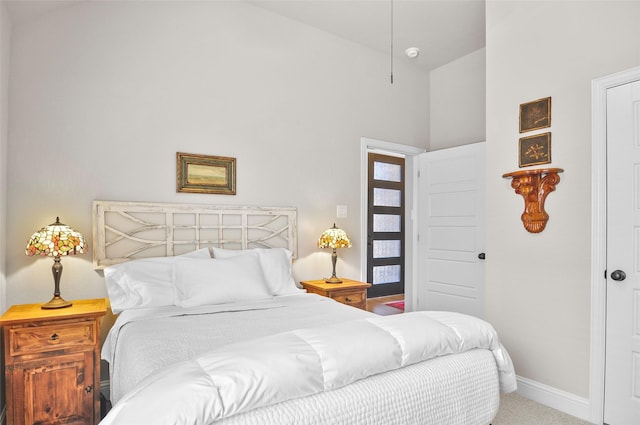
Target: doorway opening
[[410, 155]]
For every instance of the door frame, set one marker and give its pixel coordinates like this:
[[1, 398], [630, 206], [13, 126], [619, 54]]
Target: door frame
[[411, 201], [597, 350]]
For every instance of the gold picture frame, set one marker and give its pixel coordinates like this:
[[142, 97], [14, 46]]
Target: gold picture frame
[[535, 150], [535, 115], [205, 174]]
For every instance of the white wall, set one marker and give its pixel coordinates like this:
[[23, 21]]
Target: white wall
[[538, 285], [457, 100], [103, 94], [5, 47]]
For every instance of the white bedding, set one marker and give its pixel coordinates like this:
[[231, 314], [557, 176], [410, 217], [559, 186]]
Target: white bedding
[[145, 340], [460, 389], [278, 369]]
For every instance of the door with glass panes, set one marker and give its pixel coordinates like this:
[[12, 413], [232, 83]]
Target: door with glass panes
[[385, 225]]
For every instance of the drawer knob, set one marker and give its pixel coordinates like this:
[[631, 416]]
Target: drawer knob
[[348, 299], [54, 337], [88, 389]]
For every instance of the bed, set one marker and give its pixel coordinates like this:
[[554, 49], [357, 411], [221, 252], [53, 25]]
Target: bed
[[250, 347]]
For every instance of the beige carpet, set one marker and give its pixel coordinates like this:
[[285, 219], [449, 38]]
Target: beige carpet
[[517, 410]]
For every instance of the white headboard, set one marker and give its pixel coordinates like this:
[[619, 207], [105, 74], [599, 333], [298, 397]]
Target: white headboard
[[125, 231]]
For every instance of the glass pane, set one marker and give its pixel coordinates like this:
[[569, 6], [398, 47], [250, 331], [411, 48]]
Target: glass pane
[[386, 197], [387, 172], [386, 223], [386, 249], [386, 274]]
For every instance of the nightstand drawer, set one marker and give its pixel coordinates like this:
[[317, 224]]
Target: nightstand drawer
[[29, 340], [354, 298]]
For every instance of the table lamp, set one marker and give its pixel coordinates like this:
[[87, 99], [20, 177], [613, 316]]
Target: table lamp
[[56, 240], [334, 238]]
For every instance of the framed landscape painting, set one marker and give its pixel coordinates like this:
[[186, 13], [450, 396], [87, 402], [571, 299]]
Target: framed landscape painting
[[205, 174]]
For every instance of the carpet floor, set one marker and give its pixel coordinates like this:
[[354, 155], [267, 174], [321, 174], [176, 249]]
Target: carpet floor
[[517, 410]]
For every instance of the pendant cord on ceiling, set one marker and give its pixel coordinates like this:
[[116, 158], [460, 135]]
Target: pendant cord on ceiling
[[391, 14]]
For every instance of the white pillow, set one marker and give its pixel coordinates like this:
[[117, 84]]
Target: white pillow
[[219, 281], [147, 282], [276, 265]]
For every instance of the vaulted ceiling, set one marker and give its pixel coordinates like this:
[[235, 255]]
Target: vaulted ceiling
[[443, 30]]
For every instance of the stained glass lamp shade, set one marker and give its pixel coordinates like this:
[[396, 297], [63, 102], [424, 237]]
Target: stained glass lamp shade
[[56, 240], [334, 238]]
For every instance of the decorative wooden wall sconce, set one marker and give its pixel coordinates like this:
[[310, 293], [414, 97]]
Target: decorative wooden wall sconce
[[534, 186]]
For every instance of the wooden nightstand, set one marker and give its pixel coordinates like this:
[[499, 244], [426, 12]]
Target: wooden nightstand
[[350, 292], [52, 363]]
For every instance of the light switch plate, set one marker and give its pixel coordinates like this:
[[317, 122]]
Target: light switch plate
[[341, 211]]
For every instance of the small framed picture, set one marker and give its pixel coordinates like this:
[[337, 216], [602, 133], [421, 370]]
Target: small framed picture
[[535, 115], [205, 174], [535, 150]]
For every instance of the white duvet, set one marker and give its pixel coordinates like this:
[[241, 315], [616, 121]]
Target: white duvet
[[143, 341], [262, 372]]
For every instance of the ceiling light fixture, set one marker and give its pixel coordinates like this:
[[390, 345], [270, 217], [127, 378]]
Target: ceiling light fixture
[[412, 52], [391, 28]]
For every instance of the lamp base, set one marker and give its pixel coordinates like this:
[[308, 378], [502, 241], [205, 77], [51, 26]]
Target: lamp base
[[56, 302], [333, 279]]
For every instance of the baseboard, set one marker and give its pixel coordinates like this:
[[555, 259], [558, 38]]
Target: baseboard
[[552, 397]]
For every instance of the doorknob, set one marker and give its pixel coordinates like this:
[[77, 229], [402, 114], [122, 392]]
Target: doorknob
[[481, 256], [618, 275]]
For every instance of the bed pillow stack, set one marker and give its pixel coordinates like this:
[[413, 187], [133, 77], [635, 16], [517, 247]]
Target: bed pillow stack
[[218, 281], [276, 266], [147, 282], [188, 281]]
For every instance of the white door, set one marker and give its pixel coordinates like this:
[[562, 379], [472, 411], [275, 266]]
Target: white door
[[451, 230], [622, 369]]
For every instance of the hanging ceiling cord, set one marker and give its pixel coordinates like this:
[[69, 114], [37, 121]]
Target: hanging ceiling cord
[[391, 14]]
